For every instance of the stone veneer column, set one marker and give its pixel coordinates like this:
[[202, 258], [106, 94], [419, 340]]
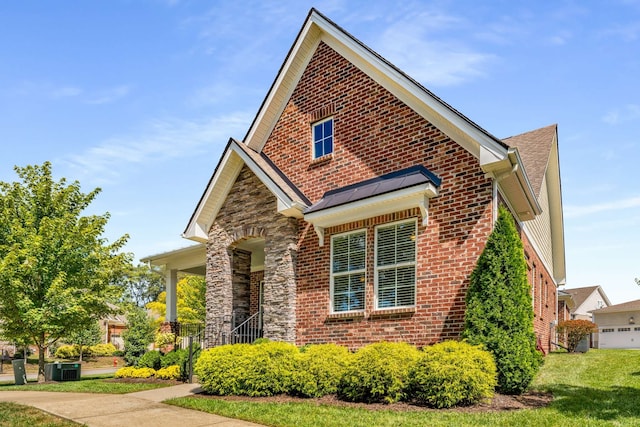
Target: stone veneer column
[[219, 293], [279, 304], [241, 285]]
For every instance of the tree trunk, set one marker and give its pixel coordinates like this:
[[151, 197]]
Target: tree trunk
[[80, 360], [41, 349]]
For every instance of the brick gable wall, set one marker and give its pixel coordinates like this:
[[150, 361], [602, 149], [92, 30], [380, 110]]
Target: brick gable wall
[[375, 134]]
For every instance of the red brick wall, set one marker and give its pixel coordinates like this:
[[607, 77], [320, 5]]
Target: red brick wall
[[543, 293], [254, 298], [375, 134]]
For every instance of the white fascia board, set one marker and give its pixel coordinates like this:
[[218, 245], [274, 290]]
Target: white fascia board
[[412, 197], [443, 117], [252, 139], [198, 228]]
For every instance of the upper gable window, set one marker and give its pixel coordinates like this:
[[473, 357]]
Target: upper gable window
[[322, 138]]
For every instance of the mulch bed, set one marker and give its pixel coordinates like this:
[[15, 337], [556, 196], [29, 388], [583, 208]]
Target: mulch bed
[[500, 402]]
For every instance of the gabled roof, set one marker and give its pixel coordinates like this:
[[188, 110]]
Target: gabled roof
[[580, 295], [496, 157], [625, 306], [535, 147], [291, 201]]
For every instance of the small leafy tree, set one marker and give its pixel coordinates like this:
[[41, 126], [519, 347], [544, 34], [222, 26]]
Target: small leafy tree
[[142, 284], [56, 269], [190, 295], [138, 335], [499, 311], [575, 331], [85, 337]]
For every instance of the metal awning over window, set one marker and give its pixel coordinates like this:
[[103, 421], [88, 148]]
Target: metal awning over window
[[396, 191]]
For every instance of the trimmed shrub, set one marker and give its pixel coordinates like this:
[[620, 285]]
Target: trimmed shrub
[[575, 331], [378, 373], [102, 350], [246, 369], [131, 372], [318, 369], [499, 312], [452, 373], [169, 373], [67, 352], [126, 372], [150, 359], [143, 373]]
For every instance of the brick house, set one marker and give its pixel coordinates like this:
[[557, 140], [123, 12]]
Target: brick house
[[357, 205]]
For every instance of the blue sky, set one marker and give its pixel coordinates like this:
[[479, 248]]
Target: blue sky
[[140, 97]]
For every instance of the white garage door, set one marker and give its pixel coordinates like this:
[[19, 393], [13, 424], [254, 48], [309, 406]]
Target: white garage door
[[620, 337]]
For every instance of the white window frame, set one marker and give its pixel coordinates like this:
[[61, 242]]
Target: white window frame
[[348, 273], [313, 137], [414, 263]]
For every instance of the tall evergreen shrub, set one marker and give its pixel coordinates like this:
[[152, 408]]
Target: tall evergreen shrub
[[499, 311]]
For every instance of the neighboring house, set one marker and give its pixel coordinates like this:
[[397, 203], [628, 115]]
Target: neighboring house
[[112, 327], [566, 305], [581, 302], [618, 325], [586, 300], [358, 203]]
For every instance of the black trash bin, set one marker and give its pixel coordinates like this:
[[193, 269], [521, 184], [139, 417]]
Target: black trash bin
[[19, 371]]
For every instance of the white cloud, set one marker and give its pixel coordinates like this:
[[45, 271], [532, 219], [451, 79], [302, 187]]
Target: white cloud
[[628, 113], [110, 95], [614, 205], [418, 45], [161, 140]]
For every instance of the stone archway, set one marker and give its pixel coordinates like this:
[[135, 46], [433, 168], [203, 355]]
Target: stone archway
[[250, 212]]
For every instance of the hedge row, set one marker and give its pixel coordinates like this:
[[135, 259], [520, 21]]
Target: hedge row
[[73, 351], [168, 373], [443, 375]]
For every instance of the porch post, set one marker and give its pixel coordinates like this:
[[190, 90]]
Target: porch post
[[171, 315]]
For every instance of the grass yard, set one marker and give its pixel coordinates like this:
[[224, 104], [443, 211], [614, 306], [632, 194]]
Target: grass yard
[[89, 385], [598, 388], [14, 415]]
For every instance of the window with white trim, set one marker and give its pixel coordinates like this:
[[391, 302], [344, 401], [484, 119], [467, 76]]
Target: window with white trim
[[395, 265], [348, 264], [322, 138]]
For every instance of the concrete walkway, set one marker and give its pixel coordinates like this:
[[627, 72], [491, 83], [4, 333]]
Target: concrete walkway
[[139, 409]]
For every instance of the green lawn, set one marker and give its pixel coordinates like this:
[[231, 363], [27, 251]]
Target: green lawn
[[14, 415], [598, 388], [87, 385]]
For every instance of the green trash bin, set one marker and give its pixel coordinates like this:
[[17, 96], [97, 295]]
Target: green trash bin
[[62, 371], [19, 371]]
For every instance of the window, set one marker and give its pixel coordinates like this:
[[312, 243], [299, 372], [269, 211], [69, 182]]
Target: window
[[624, 329], [395, 265], [605, 330], [322, 138], [348, 262]]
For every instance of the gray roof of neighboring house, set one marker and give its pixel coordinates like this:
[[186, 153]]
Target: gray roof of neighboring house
[[534, 148], [387, 183], [625, 306], [580, 295]]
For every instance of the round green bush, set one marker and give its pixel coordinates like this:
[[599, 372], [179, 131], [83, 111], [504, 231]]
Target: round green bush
[[67, 352], [103, 350], [245, 369], [378, 373], [169, 373], [151, 359], [452, 373], [318, 369]]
